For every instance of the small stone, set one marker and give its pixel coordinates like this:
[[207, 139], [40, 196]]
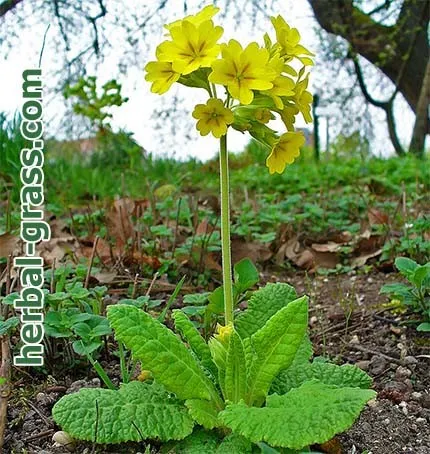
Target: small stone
[[373, 403], [363, 365], [354, 340], [313, 320], [409, 360], [402, 373], [416, 396], [63, 439], [386, 421], [40, 397], [425, 400], [420, 420], [369, 280], [404, 406], [378, 365]]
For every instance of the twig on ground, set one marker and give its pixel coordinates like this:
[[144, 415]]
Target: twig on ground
[[375, 352], [5, 365], [93, 252], [133, 293], [151, 284]]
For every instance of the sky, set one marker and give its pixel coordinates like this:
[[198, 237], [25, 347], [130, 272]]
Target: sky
[[137, 114]]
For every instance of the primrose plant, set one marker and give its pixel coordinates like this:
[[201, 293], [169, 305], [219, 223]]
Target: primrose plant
[[252, 387], [416, 294]]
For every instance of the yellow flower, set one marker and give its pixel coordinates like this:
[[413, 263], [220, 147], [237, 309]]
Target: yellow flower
[[144, 375], [224, 333], [303, 99], [285, 151], [213, 117], [288, 116], [288, 38], [207, 13], [282, 86], [243, 70], [263, 115], [192, 46], [162, 76]]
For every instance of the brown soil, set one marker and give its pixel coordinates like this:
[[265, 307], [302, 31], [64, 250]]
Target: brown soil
[[349, 324]]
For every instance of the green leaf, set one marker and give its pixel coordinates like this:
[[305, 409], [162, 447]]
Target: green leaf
[[273, 347], [245, 275], [329, 374], [196, 342], [216, 301], [405, 266], [10, 299], [423, 327], [8, 325], [235, 370], [198, 442], [139, 302], [135, 412], [236, 444], [401, 290], [264, 303], [204, 412], [196, 299], [420, 274], [85, 348], [311, 414], [304, 352], [161, 352]]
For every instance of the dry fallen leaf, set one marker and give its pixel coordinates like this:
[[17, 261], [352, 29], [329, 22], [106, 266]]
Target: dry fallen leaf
[[8, 244]]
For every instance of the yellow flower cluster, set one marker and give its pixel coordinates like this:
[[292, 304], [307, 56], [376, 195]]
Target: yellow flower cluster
[[259, 81]]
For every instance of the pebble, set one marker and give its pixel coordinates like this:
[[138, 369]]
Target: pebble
[[386, 421], [354, 339], [404, 406], [313, 320], [378, 364], [416, 396], [79, 384], [373, 403], [409, 360], [63, 439], [420, 420], [363, 365], [425, 400], [402, 373]]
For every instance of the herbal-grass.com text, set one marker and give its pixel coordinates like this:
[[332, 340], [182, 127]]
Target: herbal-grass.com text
[[34, 229]]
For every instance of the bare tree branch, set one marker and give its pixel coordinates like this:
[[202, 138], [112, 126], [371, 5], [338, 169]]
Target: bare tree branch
[[7, 6]]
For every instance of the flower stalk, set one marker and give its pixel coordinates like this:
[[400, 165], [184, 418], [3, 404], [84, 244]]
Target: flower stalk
[[225, 232]]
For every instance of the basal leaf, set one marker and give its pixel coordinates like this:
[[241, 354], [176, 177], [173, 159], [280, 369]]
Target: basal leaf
[[135, 412], [406, 266], [329, 374], [236, 444], [160, 352], [204, 412], [198, 442], [219, 355], [313, 413], [245, 275], [235, 370], [196, 342], [264, 303], [424, 327], [273, 347]]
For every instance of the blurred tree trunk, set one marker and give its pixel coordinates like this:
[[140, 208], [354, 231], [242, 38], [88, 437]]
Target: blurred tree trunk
[[387, 47], [421, 121], [7, 6], [400, 51]]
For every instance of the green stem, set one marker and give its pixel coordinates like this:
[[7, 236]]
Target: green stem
[[225, 232]]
